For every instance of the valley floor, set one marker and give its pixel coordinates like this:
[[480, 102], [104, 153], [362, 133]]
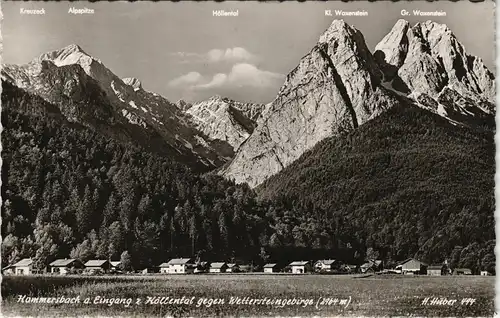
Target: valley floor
[[216, 295]]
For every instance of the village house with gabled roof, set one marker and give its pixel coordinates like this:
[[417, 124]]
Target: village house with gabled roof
[[97, 266], [178, 266], [435, 270], [65, 266], [411, 266], [271, 268], [327, 265], [218, 267], [22, 267], [462, 271], [300, 267]]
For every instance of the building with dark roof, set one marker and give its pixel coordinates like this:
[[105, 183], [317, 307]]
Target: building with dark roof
[[64, 266]]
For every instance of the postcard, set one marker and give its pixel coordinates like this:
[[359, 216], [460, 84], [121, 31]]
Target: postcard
[[248, 159]]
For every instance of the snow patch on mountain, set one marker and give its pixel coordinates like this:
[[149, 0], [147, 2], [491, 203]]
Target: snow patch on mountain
[[132, 103]]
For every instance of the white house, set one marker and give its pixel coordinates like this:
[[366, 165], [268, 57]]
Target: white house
[[300, 267], [218, 267], [326, 265], [23, 267], [270, 268], [64, 266], [178, 266]]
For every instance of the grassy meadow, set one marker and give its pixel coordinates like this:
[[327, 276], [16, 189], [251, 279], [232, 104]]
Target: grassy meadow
[[370, 296]]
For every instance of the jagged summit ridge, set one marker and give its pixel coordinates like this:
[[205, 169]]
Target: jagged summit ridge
[[428, 62]]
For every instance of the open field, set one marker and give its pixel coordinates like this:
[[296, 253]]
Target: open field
[[370, 296]]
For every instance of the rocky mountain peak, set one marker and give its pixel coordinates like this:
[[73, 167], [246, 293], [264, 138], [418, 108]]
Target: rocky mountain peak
[[71, 54], [427, 60], [133, 82], [337, 29], [218, 98], [334, 89], [183, 105], [391, 52]]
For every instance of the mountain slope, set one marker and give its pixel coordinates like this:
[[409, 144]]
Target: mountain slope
[[409, 180], [225, 119], [334, 89], [55, 76]]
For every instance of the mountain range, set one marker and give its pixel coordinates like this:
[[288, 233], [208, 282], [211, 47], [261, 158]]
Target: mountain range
[[338, 86], [355, 141], [341, 85]]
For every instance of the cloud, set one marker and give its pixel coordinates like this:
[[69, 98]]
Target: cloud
[[233, 55], [243, 75], [218, 80], [188, 79]]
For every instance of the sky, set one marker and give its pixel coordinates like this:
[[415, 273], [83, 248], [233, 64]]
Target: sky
[[179, 50]]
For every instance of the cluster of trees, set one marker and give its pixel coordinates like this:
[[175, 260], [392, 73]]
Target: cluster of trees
[[409, 183]]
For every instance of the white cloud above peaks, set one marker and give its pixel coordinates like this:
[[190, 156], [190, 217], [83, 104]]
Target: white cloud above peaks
[[242, 75]]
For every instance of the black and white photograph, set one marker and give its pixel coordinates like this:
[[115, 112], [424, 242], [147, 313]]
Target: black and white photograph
[[248, 159]]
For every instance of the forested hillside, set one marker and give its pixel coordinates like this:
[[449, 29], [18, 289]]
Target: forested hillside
[[409, 181], [69, 191]]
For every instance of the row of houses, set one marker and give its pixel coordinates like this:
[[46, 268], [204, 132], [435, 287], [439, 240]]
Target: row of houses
[[189, 266], [180, 266], [412, 266], [60, 266]]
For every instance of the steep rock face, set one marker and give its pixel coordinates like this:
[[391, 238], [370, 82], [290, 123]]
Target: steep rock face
[[55, 76], [334, 89], [428, 63], [225, 119], [133, 82]]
